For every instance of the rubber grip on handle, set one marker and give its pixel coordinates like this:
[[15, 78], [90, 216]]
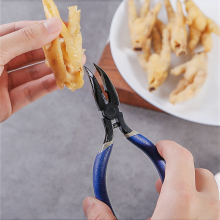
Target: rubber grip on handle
[[99, 176], [150, 149]]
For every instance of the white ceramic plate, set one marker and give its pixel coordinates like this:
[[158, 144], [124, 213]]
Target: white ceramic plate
[[203, 108], [217, 178]]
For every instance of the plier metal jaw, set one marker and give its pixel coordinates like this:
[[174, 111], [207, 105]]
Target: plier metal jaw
[[113, 118]]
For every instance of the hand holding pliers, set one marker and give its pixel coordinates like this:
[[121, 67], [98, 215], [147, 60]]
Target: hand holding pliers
[[113, 118]]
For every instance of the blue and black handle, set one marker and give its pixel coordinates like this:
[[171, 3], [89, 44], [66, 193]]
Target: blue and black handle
[[101, 162]]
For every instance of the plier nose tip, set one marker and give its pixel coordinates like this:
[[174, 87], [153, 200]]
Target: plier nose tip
[[108, 86], [97, 91], [89, 73]]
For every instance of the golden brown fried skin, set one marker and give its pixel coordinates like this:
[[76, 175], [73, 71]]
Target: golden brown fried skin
[[141, 27], [194, 36], [145, 8], [160, 26], [156, 40], [179, 32], [65, 54], [170, 11], [195, 17], [157, 65], [177, 27], [206, 40], [201, 27], [195, 72], [143, 58]]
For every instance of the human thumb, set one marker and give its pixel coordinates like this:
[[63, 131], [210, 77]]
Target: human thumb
[[28, 38], [97, 210]]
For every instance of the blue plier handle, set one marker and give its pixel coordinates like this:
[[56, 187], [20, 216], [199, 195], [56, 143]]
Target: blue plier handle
[[113, 118]]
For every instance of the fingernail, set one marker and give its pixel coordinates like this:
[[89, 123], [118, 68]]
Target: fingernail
[[86, 205], [52, 25]]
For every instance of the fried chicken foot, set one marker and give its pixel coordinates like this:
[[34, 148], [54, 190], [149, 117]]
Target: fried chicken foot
[[201, 27], [177, 28], [156, 65], [178, 32], [64, 54], [141, 27], [195, 72]]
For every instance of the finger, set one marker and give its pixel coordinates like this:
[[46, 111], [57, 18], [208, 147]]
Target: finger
[[158, 185], [15, 26], [84, 59], [5, 104], [26, 59], [29, 58], [205, 183], [28, 74], [31, 91], [97, 210], [32, 56], [29, 38], [180, 170]]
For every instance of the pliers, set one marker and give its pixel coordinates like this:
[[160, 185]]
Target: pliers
[[113, 118]]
